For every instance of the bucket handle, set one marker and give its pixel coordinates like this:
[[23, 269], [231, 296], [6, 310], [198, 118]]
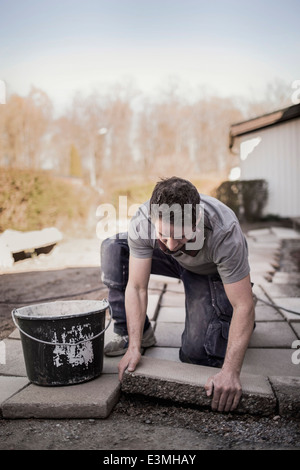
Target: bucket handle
[[62, 344]]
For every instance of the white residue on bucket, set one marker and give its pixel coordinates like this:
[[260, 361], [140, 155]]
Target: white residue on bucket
[[73, 354]]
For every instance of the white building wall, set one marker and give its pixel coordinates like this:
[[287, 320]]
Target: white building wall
[[275, 158]]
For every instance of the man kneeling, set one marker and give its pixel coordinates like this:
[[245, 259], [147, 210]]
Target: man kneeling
[[197, 239]]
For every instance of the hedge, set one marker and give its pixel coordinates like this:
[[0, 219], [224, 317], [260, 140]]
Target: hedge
[[247, 198]]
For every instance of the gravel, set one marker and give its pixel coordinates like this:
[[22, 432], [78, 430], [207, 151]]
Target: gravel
[[141, 424]]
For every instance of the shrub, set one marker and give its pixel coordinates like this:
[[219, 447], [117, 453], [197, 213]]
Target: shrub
[[247, 198], [32, 200]]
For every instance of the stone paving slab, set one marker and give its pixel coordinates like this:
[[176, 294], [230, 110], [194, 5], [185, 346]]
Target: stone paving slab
[[259, 277], [173, 299], [171, 314], [270, 334], [264, 361], [282, 290], [169, 334], [185, 384], [281, 277], [291, 303], [15, 364], [260, 294], [93, 399], [258, 232], [30, 404], [153, 306], [159, 352], [9, 386], [296, 327], [260, 246], [287, 393], [15, 334], [267, 313], [175, 287], [283, 233], [266, 238], [262, 266], [164, 279]]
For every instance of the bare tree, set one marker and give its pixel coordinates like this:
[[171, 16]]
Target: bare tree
[[25, 122]]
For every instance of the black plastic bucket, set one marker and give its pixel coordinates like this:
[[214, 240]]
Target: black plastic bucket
[[62, 341]]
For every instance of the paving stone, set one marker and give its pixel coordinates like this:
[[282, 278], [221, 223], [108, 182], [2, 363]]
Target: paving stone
[[156, 285], [284, 233], [287, 392], [259, 245], [260, 277], [262, 266], [164, 279], [9, 386], [171, 314], [272, 335], [260, 294], [93, 399], [173, 299], [169, 354], [296, 327], [264, 361], [175, 287], [15, 364], [109, 333], [169, 334], [282, 290], [15, 334], [286, 278], [153, 306], [110, 364], [267, 313], [265, 257], [268, 238], [258, 232], [185, 384], [291, 303]]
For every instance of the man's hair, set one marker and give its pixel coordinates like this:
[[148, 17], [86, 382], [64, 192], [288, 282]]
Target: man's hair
[[177, 194]]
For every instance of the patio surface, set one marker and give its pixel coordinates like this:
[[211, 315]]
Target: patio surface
[[270, 374]]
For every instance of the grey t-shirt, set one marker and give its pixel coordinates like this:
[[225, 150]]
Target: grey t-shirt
[[223, 247]]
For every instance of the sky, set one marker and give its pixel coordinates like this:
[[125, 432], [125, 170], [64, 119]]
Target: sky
[[227, 47]]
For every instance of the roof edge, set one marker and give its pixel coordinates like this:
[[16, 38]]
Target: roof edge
[[263, 121]]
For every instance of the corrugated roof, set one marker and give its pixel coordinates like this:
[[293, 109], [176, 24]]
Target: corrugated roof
[[261, 122]]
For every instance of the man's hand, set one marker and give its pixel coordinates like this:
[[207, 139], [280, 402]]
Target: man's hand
[[129, 361], [226, 390]]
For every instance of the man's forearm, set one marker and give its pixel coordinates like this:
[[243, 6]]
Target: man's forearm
[[136, 305], [240, 332]]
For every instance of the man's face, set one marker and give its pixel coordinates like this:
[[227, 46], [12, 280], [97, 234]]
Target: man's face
[[173, 237]]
